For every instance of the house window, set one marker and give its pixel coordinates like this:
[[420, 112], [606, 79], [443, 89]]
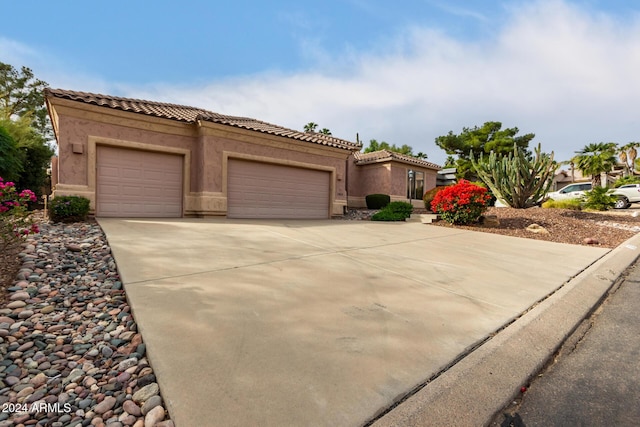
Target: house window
[[415, 185]]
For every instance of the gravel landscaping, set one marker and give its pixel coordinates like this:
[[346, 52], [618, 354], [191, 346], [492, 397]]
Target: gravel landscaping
[[72, 354]]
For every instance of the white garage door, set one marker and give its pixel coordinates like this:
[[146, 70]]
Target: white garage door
[[264, 190], [133, 183]]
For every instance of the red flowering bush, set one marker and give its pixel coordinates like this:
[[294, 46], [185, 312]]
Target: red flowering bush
[[462, 203], [15, 221]]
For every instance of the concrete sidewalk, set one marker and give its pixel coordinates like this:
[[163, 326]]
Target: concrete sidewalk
[[329, 322]]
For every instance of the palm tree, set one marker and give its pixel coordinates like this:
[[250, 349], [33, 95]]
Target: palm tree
[[622, 155], [325, 131], [594, 159], [310, 127], [632, 154]]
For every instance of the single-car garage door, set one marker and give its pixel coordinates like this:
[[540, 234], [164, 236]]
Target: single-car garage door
[[265, 190], [132, 183]]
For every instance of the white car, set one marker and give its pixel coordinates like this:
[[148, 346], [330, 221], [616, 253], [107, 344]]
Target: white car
[[626, 194], [571, 191]]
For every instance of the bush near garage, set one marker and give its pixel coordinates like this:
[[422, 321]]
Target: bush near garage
[[462, 203], [69, 209], [394, 211], [377, 201]]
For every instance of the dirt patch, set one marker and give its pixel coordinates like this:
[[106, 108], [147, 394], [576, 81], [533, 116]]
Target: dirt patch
[[564, 226]]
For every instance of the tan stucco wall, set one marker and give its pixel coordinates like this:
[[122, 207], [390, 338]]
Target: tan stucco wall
[[205, 148], [389, 177]]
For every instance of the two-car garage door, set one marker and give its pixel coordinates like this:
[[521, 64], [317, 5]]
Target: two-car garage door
[[265, 190], [132, 183]]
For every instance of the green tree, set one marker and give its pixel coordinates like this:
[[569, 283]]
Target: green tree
[[374, 145], [472, 142], [21, 94], [325, 131], [594, 159], [10, 164], [24, 117], [627, 155]]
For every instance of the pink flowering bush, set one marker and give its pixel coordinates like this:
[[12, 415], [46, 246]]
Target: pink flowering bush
[[462, 203], [15, 221]]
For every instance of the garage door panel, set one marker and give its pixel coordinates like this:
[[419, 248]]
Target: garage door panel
[[133, 183], [263, 190]]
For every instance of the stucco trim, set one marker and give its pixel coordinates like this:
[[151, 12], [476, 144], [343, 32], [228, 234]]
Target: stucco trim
[[206, 203], [92, 151], [333, 203]]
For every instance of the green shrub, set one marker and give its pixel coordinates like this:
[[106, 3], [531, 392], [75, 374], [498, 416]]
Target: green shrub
[[69, 209], [631, 179], [377, 201], [573, 204], [429, 195], [599, 199], [403, 208], [394, 211], [387, 215]]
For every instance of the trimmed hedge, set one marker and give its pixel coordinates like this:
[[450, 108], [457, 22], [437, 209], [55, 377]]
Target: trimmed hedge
[[394, 211], [69, 209], [377, 201]]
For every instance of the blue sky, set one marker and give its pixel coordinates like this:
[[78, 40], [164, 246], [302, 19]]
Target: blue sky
[[404, 72]]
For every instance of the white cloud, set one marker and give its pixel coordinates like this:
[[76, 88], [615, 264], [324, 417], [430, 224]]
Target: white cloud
[[565, 73], [562, 71]]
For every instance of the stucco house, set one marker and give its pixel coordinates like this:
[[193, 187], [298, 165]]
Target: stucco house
[[137, 158], [404, 178]]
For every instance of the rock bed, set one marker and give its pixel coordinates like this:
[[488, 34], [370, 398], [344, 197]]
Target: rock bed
[[71, 351]]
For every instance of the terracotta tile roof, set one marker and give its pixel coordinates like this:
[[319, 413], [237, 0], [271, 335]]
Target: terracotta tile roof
[[192, 114], [386, 155]]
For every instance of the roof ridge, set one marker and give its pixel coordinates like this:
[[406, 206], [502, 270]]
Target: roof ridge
[[123, 98], [190, 114]]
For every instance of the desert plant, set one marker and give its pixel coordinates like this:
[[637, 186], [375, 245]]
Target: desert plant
[[599, 199], [462, 203], [69, 209], [377, 201], [573, 204], [517, 180], [15, 221]]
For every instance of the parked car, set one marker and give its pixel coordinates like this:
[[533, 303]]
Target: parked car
[[627, 194], [571, 191]]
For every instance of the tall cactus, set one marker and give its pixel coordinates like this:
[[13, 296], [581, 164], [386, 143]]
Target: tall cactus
[[516, 180]]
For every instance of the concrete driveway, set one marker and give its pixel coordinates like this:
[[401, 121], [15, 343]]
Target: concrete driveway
[[317, 323]]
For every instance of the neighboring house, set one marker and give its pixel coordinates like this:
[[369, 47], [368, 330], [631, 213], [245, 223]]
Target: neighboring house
[[404, 178], [135, 158]]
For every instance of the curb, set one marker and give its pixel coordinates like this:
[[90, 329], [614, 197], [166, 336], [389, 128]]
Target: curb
[[472, 391]]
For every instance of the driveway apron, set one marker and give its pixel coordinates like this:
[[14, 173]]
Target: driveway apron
[[318, 323]]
